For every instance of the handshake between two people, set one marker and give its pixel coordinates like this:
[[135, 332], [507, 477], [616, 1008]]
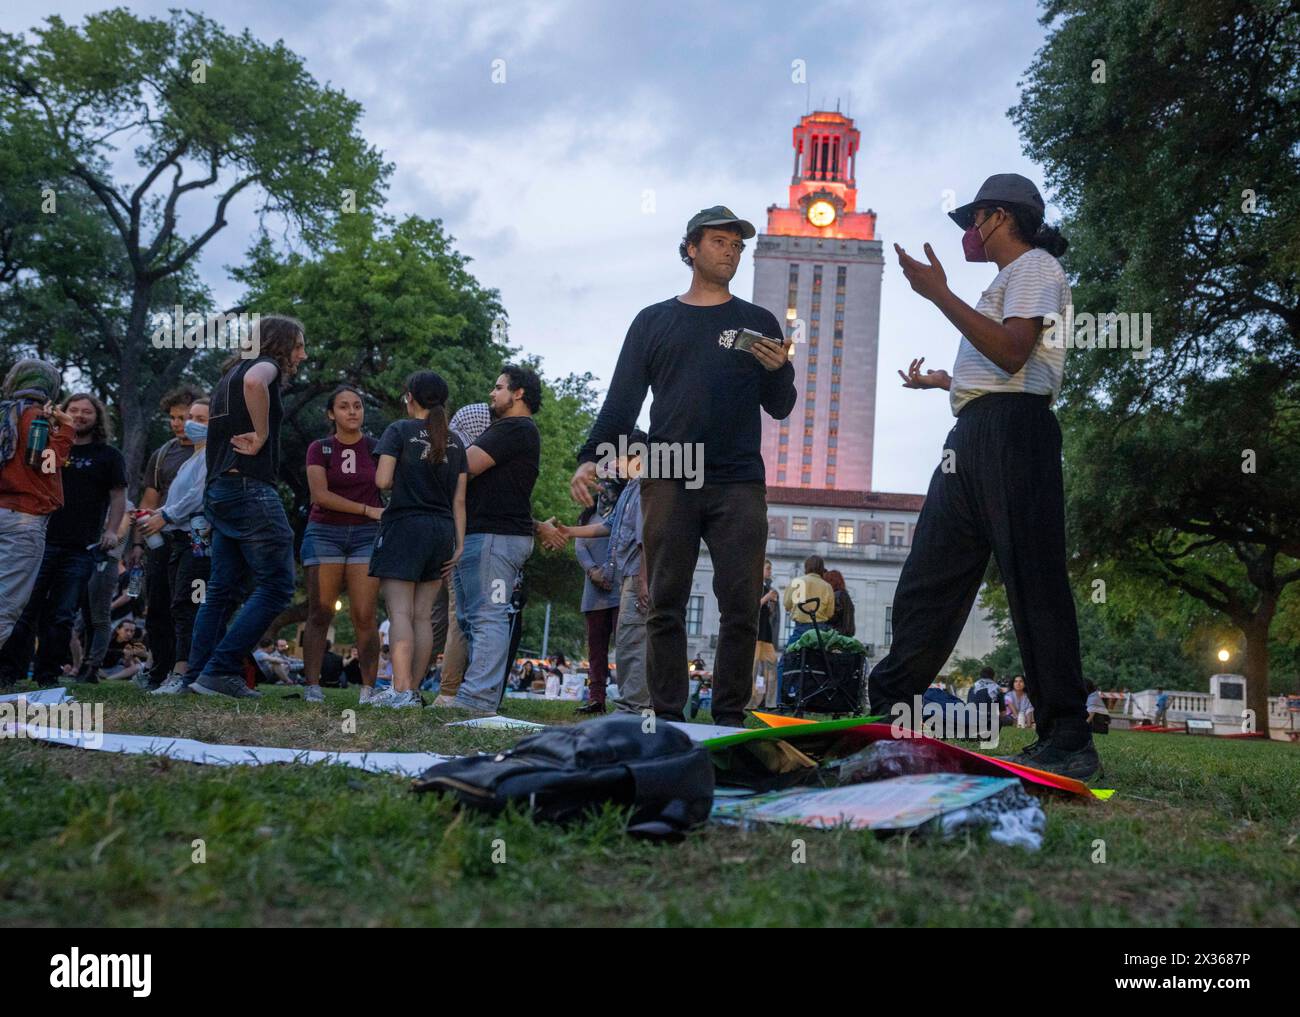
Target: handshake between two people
[[555, 535]]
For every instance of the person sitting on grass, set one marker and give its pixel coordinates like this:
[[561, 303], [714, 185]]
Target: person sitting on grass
[[126, 653], [270, 664], [1019, 708]]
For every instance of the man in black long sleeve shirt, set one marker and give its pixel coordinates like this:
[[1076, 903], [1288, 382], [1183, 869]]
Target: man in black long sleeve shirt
[[707, 398]]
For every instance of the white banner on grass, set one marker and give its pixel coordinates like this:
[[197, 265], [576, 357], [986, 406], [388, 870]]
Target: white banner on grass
[[406, 764]]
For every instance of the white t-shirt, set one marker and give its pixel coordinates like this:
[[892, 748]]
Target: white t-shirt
[[1032, 286]]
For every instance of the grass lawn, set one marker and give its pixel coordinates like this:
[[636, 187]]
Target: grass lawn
[[1204, 831]]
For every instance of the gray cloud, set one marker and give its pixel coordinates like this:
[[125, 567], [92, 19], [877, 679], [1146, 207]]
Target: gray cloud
[[544, 179]]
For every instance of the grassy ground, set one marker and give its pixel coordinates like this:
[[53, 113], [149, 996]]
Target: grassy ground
[[1203, 832]]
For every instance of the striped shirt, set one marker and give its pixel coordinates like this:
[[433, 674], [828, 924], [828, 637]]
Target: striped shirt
[[1032, 286]]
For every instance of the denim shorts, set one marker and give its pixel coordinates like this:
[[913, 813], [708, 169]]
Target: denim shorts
[[330, 544]]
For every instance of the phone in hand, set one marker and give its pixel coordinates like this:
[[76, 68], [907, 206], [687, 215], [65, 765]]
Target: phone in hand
[[746, 338]]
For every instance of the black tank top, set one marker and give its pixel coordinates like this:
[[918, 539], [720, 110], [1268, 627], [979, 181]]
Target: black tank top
[[229, 416]]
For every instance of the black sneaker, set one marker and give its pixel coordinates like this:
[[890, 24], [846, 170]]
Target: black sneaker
[[1081, 763], [230, 685], [590, 708]]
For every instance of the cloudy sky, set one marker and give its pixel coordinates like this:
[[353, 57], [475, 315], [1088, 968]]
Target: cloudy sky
[[543, 178]]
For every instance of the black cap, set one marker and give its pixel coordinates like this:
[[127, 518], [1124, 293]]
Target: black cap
[[720, 215], [1000, 189]]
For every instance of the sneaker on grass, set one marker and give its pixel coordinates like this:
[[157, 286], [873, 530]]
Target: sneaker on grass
[[175, 685], [232, 686], [381, 697], [367, 693], [313, 694], [143, 680], [1080, 762], [402, 700]]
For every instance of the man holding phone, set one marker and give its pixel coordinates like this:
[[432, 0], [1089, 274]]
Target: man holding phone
[[709, 389]]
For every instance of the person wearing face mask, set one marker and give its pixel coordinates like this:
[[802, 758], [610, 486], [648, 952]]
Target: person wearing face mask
[[999, 489], [180, 520], [159, 472]]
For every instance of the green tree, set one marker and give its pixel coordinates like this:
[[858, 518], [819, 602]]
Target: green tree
[[209, 116], [1170, 136]]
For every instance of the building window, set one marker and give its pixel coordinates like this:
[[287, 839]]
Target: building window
[[889, 625], [807, 460], [781, 459], [807, 478], [695, 615], [832, 441], [785, 437], [844, 532], [799, 527], [896, 532]]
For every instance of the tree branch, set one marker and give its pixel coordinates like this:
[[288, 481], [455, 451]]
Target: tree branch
[[218, 221]]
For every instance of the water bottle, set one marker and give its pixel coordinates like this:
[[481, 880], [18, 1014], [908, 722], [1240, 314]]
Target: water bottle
[[135, 581], [154, 540], [199, 530], [38, 437]]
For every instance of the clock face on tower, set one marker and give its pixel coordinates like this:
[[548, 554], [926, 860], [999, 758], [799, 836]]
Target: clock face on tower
[[821, 213]]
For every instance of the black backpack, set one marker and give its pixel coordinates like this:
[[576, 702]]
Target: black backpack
[[563, 772]]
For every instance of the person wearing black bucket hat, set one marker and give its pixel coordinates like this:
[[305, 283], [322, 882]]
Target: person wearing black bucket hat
[[999, 488], [711, 386]]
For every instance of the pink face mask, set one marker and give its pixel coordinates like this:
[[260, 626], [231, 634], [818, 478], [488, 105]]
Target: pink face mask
[[972, 243]]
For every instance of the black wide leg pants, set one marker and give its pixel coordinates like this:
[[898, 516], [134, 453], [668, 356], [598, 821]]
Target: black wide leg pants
[[999, 491]]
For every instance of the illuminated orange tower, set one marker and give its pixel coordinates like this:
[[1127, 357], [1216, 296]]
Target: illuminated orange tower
[[818, 267]]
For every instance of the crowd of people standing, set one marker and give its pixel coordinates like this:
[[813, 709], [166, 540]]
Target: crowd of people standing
[[457, 527], [206, 557]]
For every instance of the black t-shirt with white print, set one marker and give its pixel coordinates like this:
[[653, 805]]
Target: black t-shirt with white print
[[419, 486]]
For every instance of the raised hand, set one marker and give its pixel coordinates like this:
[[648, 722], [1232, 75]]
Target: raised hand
[[930, 379], [928, 280], [583, 483]]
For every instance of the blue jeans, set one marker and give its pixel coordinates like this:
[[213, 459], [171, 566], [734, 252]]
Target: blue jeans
[[250, 536], [49, 615], [484, 581]]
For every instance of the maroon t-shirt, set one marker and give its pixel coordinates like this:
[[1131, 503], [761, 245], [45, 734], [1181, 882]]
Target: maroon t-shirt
[[349, 473]]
